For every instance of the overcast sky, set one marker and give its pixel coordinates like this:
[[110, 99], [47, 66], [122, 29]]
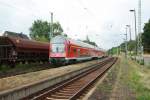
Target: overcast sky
[[102, 20]]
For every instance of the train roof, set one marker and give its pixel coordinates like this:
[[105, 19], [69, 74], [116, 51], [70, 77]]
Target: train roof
[[61, 39], [14, 34], [22, 43]]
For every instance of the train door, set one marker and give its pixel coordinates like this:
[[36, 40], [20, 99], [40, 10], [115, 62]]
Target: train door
[[75, 52]]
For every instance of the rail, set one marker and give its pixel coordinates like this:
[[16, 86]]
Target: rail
[[74, 88]]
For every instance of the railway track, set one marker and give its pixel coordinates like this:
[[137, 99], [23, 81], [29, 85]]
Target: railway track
[[76, 87]]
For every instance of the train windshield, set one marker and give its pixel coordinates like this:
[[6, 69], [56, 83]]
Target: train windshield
[[58, 45], [58, 48]]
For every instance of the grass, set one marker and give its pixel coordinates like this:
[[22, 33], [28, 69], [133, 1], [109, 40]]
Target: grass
[[135, 82], [21, 68], [132, 79], [5, 68]]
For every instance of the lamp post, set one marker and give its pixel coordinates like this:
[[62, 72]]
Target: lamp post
[[129, 31], [130, 36], [136, 37], [126, 45]]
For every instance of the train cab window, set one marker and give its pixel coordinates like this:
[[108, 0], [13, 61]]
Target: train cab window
[[58, 44], [58, 48]]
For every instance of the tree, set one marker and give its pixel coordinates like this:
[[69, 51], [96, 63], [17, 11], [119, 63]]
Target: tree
[[146, 37], [40, 30], [131, 45], [113, 51], [57, 29]]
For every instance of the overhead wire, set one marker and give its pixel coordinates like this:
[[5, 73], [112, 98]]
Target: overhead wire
[[21, 10]]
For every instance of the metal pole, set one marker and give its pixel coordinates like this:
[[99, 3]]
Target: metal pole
[[130, 36], [129, 31], [126, 45], [51, 25], [136, 37], [126, 48], [117, 51], [139, 26], [120, 49], [139, 23], [139, 31]]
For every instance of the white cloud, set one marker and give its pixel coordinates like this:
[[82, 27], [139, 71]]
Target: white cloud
[[79, 18]]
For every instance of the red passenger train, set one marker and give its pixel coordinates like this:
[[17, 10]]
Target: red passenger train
[[64, 50]]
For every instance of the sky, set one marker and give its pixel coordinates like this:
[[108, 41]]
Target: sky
[[104, 21]]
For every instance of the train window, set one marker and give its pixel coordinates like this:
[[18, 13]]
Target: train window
[[58, 48], [74, 50]]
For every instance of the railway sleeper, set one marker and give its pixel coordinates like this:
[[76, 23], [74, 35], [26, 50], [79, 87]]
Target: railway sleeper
[[71, 89], [60, 93], [74, 86], [59, 96], [69, 92], [63, 94], [48, 98]]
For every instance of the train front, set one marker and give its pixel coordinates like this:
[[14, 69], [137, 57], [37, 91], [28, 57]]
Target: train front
[[57, 50]]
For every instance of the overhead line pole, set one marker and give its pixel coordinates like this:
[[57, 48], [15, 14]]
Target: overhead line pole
[[136, 37], [139, 26], [51, 27], [140, 32], [126, 45], [129, 31], [129, 26]]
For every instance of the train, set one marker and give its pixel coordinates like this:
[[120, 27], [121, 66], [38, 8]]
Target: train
[[64, 50], [14, 50], [60, 51]]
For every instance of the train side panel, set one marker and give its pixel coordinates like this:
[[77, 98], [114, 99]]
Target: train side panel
[[13, 50]]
